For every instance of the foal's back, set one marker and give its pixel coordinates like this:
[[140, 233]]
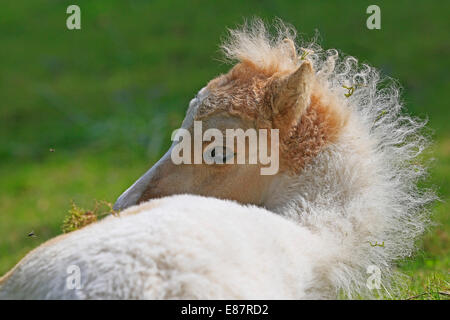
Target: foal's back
[[175, 247]]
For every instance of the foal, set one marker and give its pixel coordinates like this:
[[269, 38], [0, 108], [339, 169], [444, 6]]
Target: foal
[[348, 155], [346, 188]]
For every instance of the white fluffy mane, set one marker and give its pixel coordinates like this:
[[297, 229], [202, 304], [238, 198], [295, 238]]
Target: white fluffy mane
[[354, 198]]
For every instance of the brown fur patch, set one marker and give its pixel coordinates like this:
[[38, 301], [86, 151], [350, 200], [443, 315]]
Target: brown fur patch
[[272, 58], [240, 93], [318, 126], [245, 92]]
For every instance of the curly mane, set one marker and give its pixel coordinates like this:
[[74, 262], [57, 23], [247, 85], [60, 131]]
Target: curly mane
[[397, 212]]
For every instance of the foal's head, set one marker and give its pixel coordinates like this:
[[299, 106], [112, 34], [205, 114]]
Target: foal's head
[[270, 87]]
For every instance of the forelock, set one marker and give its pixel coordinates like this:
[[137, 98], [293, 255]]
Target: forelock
[[270, 53]]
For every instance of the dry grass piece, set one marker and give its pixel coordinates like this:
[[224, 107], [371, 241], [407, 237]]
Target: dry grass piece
[[78, 217]]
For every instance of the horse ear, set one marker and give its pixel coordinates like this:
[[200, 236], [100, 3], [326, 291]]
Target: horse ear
[[291, 95]]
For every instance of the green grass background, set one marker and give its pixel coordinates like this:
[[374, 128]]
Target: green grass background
[[106, 98]]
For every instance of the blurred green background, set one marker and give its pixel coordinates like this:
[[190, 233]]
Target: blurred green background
[[107, 97]]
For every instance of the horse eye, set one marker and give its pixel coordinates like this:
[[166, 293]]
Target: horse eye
[[226, 154], [218, 155]]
